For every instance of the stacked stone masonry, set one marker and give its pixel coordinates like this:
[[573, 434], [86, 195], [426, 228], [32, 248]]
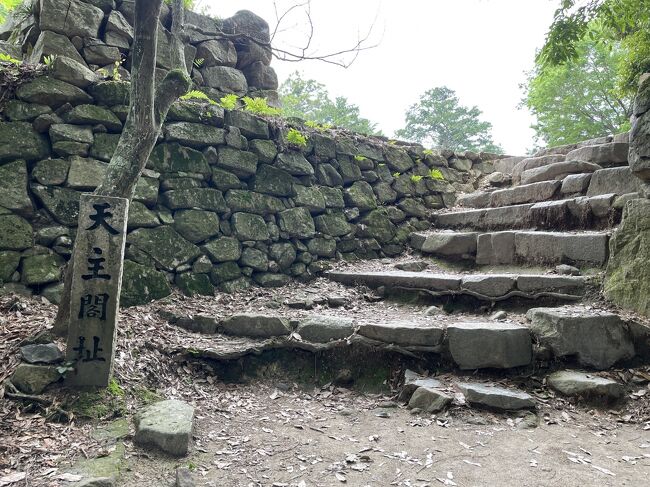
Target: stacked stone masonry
[[225, 201]]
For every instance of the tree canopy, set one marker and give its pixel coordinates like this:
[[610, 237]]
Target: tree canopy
[[578, 99], [439, 119], [310, 100], [623, 22]]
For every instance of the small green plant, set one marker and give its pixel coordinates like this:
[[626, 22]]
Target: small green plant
[[198, 62], [396, 175], [360, 158], [427, 152], [191, 466], [114, 389], [436, 174], [229, 102], [415, 178], [295, 138], [117, 76], [49, 60], [392, 142], [103, 72], [6, 58], [317, 126], [198, 95], [259, 106]]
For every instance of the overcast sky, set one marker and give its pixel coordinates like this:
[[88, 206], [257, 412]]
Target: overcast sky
[[479, 48]]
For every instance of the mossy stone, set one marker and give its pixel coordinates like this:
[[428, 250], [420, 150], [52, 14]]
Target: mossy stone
[[93, 115], [164, 245], [142, 284], [51, 172], [253, 202], [192, 284], [15, 233], [141, 217], [297, 222], [18, 140], [173, 157], [111, 93], [201, 198], [41, 269], [273, 181], [360, 195], [196, 225], [247, 226], [104, 146], [9, 261], [224, 272], [62, 203], [223, 249], [52, 92]]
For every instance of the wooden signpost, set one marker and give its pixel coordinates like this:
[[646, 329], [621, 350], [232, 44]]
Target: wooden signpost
[[96, 286]]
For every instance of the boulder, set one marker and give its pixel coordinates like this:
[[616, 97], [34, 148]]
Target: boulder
[[195, 135], [448, 244], [256, 326], [225, 272], [15, 233], [223, 249], [255, 259], [41, 269], [528, 193], [429, 399], [173, 158], [397, 159], [19, 111], [196, 225], [273, 181], [164, 245], [412, 381], [265, 150], [310, 197], [19, 141], [111, 93], [224, 180], [73, 71], [296, 222], [104, 146], [246, 23], [57, 46], [165, 425], [9, 261], [492, 285], [196, 111], [271, 279], [532, 163], [61, 203], [575, 183], [192, 284], [588, 386], [596, 339], [33, 379], [93, 115], [252, 202], [217, 52], [489, 345], [294, 163], [53, 92], [96, 52], [199, 198], [251, 126], [13, 188], [627, 279], [85, 173], [70, 17], [360, 195], [261, 76], [142, 284], [248, 226], [226, 79], [241, 163], [117, 23], [322, 329], [41, 353], [322, 247], [493, 397], [141, 217]]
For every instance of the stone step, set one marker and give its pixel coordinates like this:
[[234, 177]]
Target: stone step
[[528, 193], [557, 171], [489, 287], [534, 163], [582, 212], [515, 247]]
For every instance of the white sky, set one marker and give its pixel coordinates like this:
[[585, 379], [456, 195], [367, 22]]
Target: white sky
[[479, 48]]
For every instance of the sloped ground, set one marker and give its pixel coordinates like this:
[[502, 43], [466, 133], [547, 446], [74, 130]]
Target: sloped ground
[[272, 430]]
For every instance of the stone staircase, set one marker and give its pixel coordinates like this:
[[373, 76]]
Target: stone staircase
[[516, 242]]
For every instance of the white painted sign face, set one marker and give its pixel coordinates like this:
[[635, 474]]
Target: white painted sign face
[[95, 291]]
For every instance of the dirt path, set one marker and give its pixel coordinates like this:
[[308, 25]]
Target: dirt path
[[263, 437]]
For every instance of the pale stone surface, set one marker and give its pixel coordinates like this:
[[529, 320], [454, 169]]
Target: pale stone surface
[[528, 193], [557, 170], [429, 400], [558, 247], [489, 345], [493, 285], [412, 381], [448, 244], [610, 154], [41, 353], [403, 333], [165, 425], [575, 183], [493, 397], [96, 286], [597, 339], [575, 383], [495, 248], [33, 379], [618, 180], [322, 329], [258, 326]]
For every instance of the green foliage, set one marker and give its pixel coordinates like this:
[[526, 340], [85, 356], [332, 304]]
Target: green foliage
[[439, 119], [229, 102], [114, 389], [360, 158], [198, 62], [198, 95], [624, 21], [318, 126], [310, 100], [396, 175], [6, 6], [296, 138], [415, 178], [6, 58], [436, 174], [427, 152], [259, 106], [579, 99], [49, 60]]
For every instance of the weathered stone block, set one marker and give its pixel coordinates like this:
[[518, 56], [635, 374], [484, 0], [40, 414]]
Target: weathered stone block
[[166, 425]]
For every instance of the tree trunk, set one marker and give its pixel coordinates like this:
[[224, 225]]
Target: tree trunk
[[147, 111]]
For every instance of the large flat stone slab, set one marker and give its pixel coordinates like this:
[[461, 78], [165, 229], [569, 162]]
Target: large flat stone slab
[[489, 345], [533, 163], [256, 326], [503, 218], [422, 280], [166, 426], [412, 381], [403, 333], [617, 180], [323, 329], [596, 339], [493, 285], [447, 244], [493, 397], [536, 283], [429, 399], [588, 386], [559, 247], [557, 170], [495, 248], [528, 193], [606, 155]]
